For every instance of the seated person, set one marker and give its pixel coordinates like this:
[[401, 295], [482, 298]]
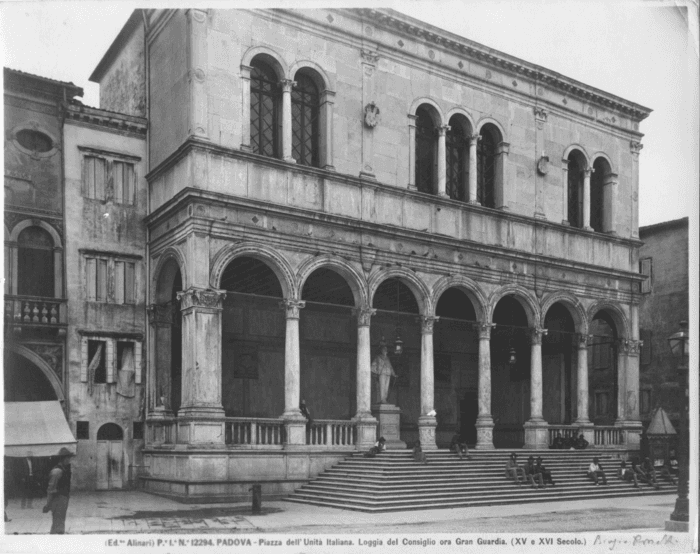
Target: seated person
[[378, 447], [580, 443], [459, 445], [649, 468], [626, 474], [513, 470], [558, 442], [595, 472], [532, 473], [643, 475], [418, 454], [568, 443], [546, 474], [668, 470]]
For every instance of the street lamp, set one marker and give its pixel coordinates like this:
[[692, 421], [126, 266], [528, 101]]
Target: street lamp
[[678, 342]]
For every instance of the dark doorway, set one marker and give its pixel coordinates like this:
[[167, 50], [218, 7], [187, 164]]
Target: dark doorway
[[469, 411]]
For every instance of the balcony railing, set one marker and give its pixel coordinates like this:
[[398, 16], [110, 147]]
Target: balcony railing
[[331, 433], [34, 311], [603, 437], [254, 432]]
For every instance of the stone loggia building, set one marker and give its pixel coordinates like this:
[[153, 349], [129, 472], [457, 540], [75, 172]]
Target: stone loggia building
[[317, 181]]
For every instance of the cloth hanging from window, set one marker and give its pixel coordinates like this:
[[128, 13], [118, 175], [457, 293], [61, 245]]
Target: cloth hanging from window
[[126, 375], [94, 363]]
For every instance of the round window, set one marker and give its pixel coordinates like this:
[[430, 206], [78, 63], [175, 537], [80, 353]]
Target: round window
[[35, 141]]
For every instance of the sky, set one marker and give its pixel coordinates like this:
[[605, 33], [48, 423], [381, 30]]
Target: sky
[[643, 51]]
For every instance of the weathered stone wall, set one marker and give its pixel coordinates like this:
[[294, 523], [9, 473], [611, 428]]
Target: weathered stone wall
[[119, 229]]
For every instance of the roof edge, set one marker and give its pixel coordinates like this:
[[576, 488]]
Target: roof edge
[[682, 222], [135, 19]]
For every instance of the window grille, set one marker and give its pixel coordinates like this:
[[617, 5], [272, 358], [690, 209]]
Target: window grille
[[456, 143], [486, 170], [264, 110], [426, 137], [575, 193], [305, 115]]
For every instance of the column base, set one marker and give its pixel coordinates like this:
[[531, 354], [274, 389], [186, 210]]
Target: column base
[[484, 433], [588, 228], [160, 412], [426, 432], [539, 215], [389, 417], [536, 435], [474, 202], [633, 434], [368, 175], [295, 430], [208, 412], [289, 160], [366, 426], [676, 526], [198, 432]]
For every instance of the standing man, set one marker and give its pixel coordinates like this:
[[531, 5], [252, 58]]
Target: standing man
[[58, 492], [381, 366]]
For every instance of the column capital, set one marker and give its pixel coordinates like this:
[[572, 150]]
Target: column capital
[[201, 298], [630, 347], [369, 56], [503, 148], [636, 148], [426, 323], [474, 138], [484, 329], [536, 334], [583, 340], [245, 71], [161, 314], [292, 307], [587, 172], [363, 315], [287, 85], [540, 114], [442, 130]]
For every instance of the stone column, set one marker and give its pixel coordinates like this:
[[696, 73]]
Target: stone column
[[631, 394], [245, 107], [287, 85], [196, 64], [635, 149], [58, 272], [609, 200], [536, 426], [565, 190], [365, 421], [484, 422], [201, 367], [442, 161], [582, 380], [412, 151], [326, 126], [587, 199], [426, 422], [160, 318], [294, 422], [622, 349], [502, 194], [473, 140]]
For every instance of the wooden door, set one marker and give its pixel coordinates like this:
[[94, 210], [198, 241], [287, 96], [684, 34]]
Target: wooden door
[[109, 465]]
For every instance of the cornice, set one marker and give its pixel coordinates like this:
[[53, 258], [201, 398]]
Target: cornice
[[106, 120], [195, 143]]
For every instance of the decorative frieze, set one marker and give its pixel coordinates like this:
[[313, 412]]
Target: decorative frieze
[[201, 298]]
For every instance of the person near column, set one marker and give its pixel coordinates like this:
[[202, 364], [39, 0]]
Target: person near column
[[418, 454], [382, 368], [546, 474], [379, 446], [513, 469], [459, 446], [58, 492], [580, 443], [595, 472], [532, 473]]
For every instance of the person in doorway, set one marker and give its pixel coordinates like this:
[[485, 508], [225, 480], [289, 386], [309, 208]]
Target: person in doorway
[[513, 469], [58, 492], [379, 446], [459, 446], [382, 368], [532, 473], [626, 474], [418, 454], [595, 472], [546, 474]]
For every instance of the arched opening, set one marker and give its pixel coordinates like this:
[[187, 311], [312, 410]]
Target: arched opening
[[35, 263], [457, 163], [328, 345], [396, 323], [559, 363], [110, 459], [577, 164], [426, 149], [600, 201], [252, 345], [305, 119], [510, 373], [602, 370], [486, 159], [110, 432], [265, 109], [24, 381], [456, 367], [167, 327]]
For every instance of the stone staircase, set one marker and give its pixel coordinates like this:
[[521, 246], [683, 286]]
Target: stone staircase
[[392, 481]]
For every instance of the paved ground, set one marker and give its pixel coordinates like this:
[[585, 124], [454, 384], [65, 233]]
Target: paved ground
[[138, 512]]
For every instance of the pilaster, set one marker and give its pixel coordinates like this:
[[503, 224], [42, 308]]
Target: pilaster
[[197, 49]]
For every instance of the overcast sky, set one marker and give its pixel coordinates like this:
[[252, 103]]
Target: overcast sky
[[642, 51]]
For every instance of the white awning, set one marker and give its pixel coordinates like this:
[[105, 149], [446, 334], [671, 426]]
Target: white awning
[[36, 429]]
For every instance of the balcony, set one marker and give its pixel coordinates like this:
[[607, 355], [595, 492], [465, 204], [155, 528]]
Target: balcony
[[34, 312]]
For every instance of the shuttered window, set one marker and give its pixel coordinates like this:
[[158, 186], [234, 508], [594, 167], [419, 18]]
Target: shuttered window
[[110, 279], [645, 269], [95, 177], [108, 179]]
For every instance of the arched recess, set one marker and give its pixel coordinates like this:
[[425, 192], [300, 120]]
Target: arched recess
[[269, 56], [424, 119], [603, 182], [57, 261], [523, 296], [488, 159], [574, 163], [470, 287], [572, 304], [410, 279], [617, 315], [169, 262], [22, 225], [352, 276], [559, 364], [457, 153], [37, 361], [606, 375], [273, 259]]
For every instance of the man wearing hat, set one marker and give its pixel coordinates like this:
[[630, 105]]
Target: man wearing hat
[[58, 492]]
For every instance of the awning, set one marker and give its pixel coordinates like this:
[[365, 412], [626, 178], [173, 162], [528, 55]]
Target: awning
[[36, 429]]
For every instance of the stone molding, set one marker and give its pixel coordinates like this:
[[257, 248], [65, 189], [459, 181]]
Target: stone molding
[[636, 148], [369, 56], [113, 121], [201, 298], [292, 307], [540, 116]]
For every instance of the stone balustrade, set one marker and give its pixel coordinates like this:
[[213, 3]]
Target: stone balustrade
[[34, 311], [331, 433], [254, 432]]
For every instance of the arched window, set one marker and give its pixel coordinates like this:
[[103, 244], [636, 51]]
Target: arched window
[[457, 166], [110, 432], [305, 119], [576, 165], [601, 196], [486, 166], [264, 110], [35, 263], [426, 146]]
